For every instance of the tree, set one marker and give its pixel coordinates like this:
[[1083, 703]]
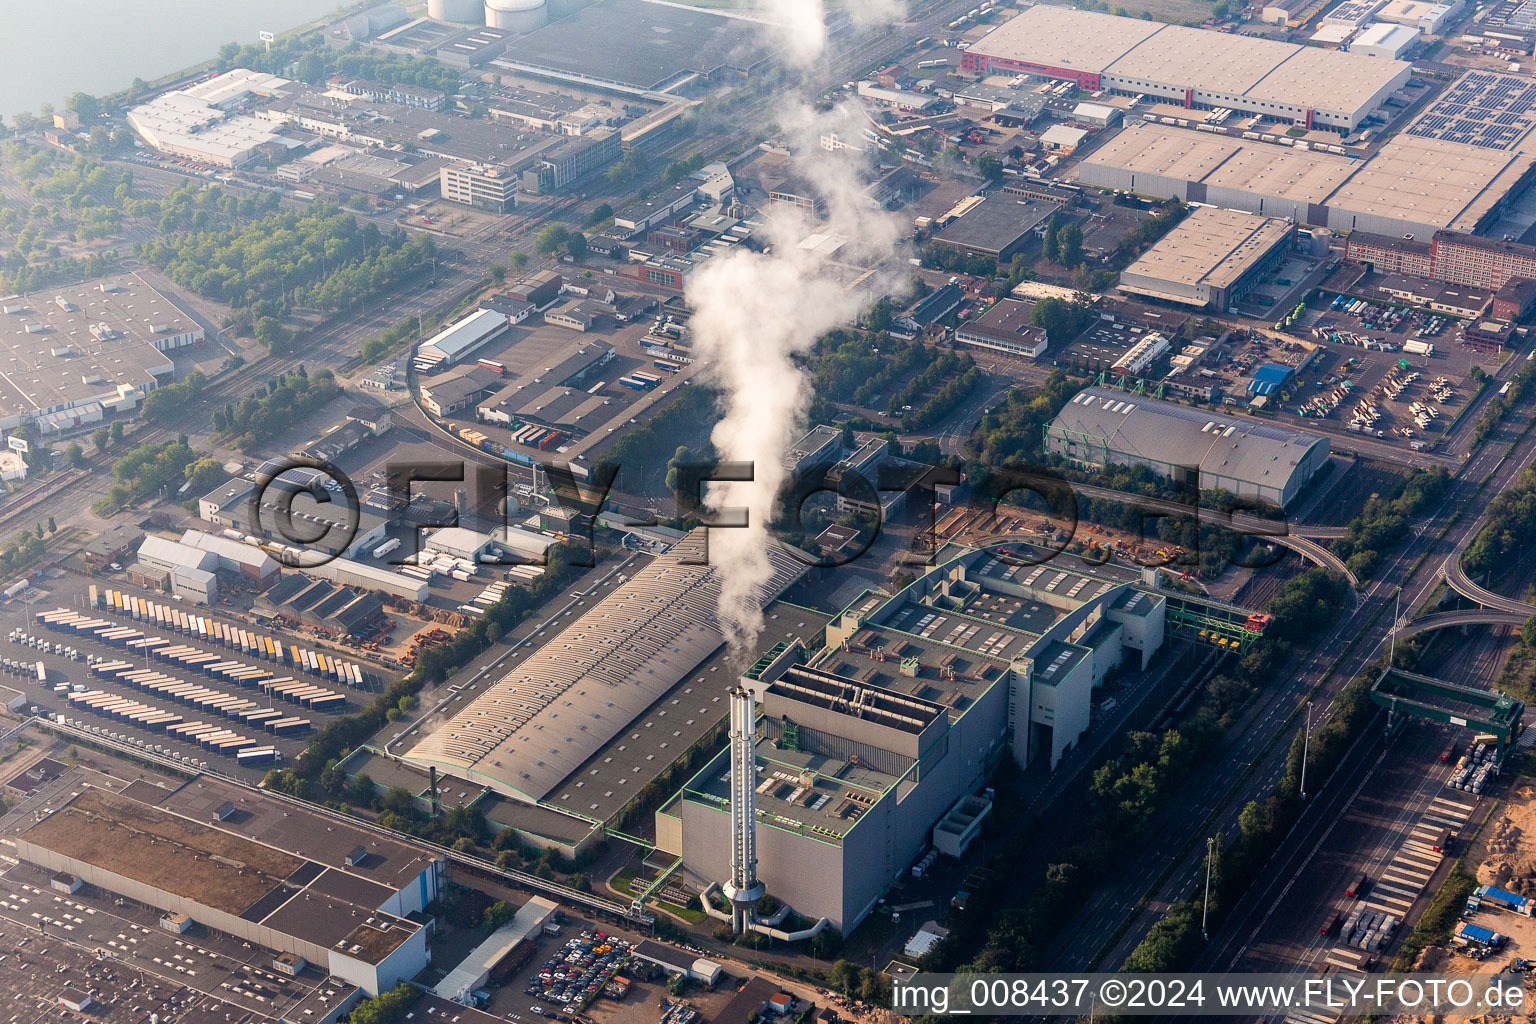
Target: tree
[[75, 454], [989, 167], [1048, 246], [101, 437], [498, 914], [117, 431], [551, 240], [517, 259], [311, 68], [1528, 632], [877, 315], [1069, 245], [86, 106], [52, 526], [270, 332], [602, 212], [576, 246]]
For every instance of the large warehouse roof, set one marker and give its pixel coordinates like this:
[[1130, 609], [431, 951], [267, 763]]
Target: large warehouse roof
[[465, 334], [1410, 181], [1060, 37], [1211, 247], [1259, 69], [1149, 429], [1431, 181], [536, 725]]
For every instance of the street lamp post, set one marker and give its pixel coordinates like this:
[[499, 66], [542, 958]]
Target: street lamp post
[[1206, 912]]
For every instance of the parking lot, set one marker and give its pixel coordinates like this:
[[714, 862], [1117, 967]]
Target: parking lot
[[1366, 380], [26, 643], [90, 940]]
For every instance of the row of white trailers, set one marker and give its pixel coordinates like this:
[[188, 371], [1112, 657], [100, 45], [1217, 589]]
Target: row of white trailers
[[208, 735], [136, 644], [230, 705], [249, 755], [222, 634], [493, 593]]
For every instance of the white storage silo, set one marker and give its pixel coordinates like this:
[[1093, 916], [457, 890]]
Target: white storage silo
[[455, 10], [516, 15]]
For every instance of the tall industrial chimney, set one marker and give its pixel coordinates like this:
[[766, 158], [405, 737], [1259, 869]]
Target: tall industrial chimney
[[743, 889]]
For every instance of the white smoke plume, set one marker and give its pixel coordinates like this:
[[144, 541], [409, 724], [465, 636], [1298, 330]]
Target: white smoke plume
[[754, 313], [799, 27]]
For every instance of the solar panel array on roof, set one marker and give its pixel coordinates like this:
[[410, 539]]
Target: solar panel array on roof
[[1483, 109]]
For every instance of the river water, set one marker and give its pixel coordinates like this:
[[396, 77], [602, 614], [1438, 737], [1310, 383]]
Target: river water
[[52, 48]]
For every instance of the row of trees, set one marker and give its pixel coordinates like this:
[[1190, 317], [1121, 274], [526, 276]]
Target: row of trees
[[145, 470], [1499, 406], [171, 399], [948, 398], [387, 341], [1174, 942], [319, 257], [288, 399], [1384, 521], [1511, 521]]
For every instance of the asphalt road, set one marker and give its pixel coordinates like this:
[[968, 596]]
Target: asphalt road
[[1253, 757]]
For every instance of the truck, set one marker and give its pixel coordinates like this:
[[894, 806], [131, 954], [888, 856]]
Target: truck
[[1418, 348], [1448, 753], [42, 672], [1442, 842], [1356, 888], [1332, 923]]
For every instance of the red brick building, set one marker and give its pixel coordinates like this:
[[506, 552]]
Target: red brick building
[[1451, 256]]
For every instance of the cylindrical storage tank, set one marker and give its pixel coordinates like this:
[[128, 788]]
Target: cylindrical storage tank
[[455, 10], [1321, 238], [516, 15]]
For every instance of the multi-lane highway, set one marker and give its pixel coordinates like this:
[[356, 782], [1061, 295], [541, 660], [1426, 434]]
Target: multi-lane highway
[[1253, 757]]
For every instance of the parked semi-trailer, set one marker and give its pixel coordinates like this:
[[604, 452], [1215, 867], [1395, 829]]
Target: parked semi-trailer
[[1357, 887]]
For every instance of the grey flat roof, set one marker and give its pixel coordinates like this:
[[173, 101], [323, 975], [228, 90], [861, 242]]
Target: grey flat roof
[[49, 367], [536, 725], [641, 45], [389, 863], [1211, 247], [1179, 57], [997, 222], [1263, 454]]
